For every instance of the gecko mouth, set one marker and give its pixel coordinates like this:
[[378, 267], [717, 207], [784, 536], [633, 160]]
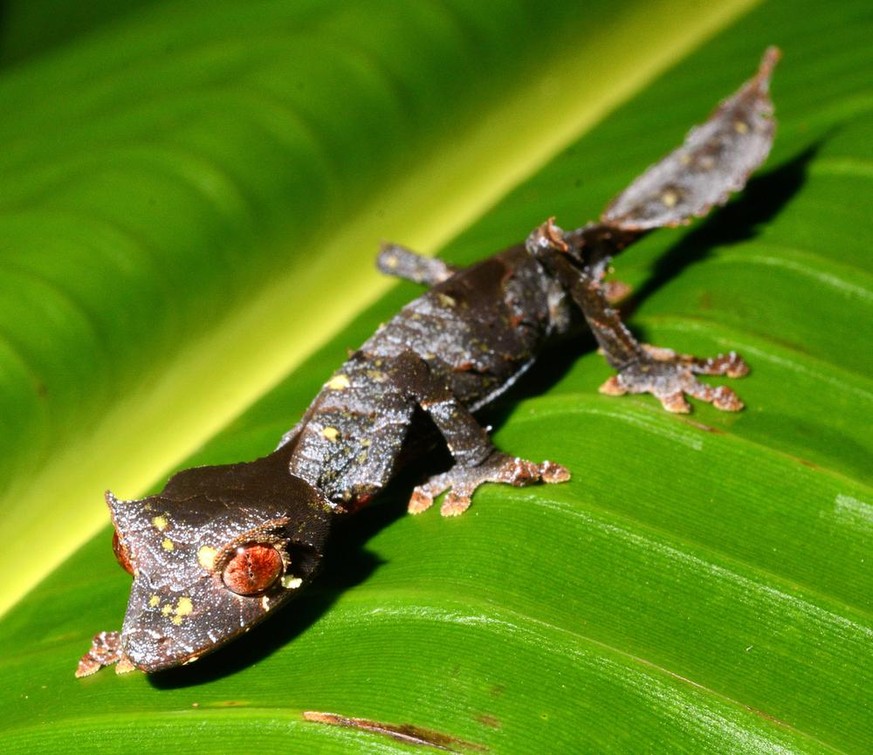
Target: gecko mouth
[[171, 626], [154, 651]]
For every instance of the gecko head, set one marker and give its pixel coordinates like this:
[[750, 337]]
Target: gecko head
[[215, 552]]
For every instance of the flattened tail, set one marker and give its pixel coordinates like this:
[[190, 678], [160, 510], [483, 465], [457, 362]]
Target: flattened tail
[[715, 160]]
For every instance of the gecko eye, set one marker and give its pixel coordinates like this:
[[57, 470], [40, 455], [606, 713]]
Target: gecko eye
[[253, 569], [121, 554]]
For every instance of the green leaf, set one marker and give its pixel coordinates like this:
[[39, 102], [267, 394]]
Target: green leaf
[[190, 205]]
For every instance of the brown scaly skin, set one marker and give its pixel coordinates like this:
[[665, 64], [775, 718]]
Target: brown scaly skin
[[220, 548]]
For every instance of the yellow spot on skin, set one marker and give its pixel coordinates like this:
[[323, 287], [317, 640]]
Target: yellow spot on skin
[[167, 544], [160, 522], [183, 608], [446, 300], [338, 383], [331, 433], [265, 603], [167, 609], [154, 601], [740, 127], [206, 557], [669, 198], [290, 582]]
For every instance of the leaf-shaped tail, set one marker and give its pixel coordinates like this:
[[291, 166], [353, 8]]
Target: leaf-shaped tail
[[715, 160]]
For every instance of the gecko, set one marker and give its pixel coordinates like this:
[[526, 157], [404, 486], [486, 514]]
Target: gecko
[[221, 548]]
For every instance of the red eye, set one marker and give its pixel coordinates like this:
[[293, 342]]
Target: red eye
[[253, 569], [121, 554]]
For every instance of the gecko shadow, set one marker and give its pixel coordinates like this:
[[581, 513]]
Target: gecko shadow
[[348, 563]]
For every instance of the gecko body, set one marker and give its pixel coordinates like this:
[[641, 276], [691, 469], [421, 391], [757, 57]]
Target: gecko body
[[221, 548]]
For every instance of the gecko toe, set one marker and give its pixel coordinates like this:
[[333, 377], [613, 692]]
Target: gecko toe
[[455, 504], [104, 651], [725, 399], [419, 502], [551, 472], [675, 403], [613, 387]]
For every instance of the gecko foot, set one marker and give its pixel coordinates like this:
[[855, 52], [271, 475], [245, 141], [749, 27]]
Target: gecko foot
[[104, 651], [670, 377], [461, 482]]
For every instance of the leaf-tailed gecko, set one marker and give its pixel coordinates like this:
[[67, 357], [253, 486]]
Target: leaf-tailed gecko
[[221, 548]]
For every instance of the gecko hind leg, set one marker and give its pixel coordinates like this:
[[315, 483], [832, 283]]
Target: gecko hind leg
[[403, 263], [641, 368]]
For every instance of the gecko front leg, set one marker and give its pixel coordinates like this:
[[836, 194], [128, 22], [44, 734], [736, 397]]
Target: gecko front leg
[[476, 460], [461, 481]]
